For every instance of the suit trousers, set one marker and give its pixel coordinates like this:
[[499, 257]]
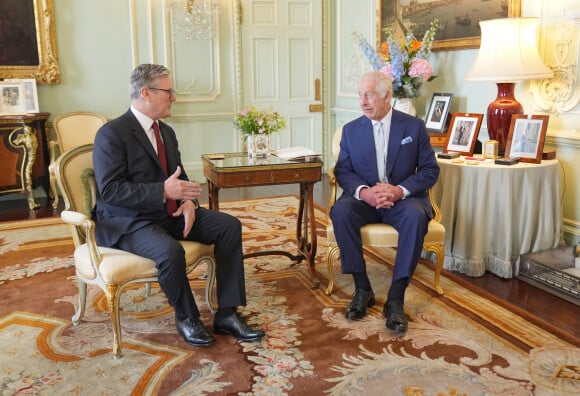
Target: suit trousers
[[159, 242], [407, 216]]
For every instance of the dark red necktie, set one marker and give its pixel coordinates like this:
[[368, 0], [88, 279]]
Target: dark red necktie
[[171, 204]]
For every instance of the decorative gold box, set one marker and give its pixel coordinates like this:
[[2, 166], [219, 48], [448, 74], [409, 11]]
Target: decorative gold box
[[490, 149]]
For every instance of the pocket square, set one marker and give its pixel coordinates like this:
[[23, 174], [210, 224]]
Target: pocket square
[[406, 140]]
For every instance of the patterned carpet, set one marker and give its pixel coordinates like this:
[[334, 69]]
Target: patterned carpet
[[459, 344]]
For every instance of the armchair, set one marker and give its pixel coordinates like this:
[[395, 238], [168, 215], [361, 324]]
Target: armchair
[[71, 130], [381, 235], [110, 269]]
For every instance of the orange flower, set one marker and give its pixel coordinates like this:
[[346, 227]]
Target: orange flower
[[415, 45]]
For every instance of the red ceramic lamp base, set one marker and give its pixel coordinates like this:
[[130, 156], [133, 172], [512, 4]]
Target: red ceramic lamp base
[[499, 114]]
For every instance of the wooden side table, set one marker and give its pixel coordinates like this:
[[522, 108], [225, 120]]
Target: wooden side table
[[24, 155], [232, 170], [437, 139]]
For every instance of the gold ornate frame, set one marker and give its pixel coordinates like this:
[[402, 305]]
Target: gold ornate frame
[[514, 10], [47, 71]]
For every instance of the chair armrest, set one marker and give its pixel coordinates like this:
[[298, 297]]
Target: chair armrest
[[436, 210], [80, 221], [54, 150], [333, 187], [74, 218]]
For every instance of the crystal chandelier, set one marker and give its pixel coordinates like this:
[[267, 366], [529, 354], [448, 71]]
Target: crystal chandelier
[[196, 19]]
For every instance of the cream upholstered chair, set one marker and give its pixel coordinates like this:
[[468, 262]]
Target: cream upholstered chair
[[71, 130], [110, 269], [381, 235]]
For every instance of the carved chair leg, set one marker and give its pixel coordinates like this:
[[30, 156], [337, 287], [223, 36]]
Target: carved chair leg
[[331, 254], [78, 316]]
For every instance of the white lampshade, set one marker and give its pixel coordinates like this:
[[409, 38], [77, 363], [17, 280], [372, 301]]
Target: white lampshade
[[508, 52]]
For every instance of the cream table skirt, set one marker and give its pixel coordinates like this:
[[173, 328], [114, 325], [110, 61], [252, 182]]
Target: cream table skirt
[[493, 213]]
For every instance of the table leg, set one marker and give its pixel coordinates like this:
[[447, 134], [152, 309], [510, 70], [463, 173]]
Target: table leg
[[306, 229], [305, 234], [213, 196]]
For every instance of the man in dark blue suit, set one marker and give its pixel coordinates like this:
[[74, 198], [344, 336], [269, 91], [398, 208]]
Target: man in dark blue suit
[[145, 204], [385, 167]]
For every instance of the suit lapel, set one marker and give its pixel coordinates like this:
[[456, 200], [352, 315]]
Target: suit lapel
[[141, 137], [395, 137]]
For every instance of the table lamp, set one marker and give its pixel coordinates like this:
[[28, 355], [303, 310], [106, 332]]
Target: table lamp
[[508, 53]]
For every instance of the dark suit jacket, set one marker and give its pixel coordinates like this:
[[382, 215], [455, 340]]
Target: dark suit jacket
[[411, 160], [129, 177]]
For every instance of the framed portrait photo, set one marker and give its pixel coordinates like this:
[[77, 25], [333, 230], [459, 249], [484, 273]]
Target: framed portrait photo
[[436, 120], [463, 132], [526, 137], [12, 98], [31, 95]]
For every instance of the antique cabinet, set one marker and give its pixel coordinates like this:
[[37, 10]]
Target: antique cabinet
[[24, 155]]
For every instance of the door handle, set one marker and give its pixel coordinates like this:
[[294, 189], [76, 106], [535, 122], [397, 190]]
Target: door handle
[[316, 108]]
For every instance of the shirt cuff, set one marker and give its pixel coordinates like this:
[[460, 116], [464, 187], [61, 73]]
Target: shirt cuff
[[358, 190], [406, 192]]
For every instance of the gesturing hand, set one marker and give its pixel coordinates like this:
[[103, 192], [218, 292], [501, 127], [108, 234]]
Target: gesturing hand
[[175, 188]]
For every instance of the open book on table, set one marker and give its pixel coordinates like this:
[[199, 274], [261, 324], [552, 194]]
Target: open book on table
[[296, 154]]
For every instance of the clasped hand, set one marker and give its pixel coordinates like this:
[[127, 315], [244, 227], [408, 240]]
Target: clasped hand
[[382, 195], [184, 190]]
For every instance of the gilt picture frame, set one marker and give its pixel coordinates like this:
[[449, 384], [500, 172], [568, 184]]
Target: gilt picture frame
[[437, 116], [28, 37], [463, 132], [526, 137], [459, 25]]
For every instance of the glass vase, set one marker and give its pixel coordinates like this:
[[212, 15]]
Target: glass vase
[[258, 146]]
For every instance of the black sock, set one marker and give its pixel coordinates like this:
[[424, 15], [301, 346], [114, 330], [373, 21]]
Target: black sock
[[225, 312], [361, 281], [397, 290]]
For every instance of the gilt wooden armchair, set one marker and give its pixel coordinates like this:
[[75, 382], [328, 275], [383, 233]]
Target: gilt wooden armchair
[[71, 130], [110, 269], [381, 235]]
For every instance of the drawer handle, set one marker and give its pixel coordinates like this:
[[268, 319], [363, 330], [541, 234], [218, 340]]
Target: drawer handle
[[297, 175], [272, 177], [247, 179]]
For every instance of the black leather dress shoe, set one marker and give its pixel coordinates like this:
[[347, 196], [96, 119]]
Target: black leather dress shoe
[[362, 299], [235, 325], [396, 319], [194, 332]]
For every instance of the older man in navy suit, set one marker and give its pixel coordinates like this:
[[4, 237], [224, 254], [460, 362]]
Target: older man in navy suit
[[145, 204], [385, 167]]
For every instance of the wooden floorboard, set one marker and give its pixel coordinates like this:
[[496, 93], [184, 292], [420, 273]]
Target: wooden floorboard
[[550, 308]]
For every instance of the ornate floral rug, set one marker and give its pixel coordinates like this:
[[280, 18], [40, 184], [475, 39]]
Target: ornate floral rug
[[458, 344]]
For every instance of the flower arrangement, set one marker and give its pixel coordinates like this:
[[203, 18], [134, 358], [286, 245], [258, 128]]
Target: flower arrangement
[[406, 62], [252, 121]]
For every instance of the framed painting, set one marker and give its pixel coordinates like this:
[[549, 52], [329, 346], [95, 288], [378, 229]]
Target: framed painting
[[462, 134], [459, 23], [526, 137], [27, 34], [436, 121]]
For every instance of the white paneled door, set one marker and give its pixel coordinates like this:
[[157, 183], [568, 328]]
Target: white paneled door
[[282, 65]]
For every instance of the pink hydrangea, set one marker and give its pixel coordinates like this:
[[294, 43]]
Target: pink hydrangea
[[388, 70], [420, 68]]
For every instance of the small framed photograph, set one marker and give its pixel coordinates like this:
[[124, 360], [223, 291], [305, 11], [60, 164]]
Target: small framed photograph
[[436, 121], [12, 98], [526, 137], [462, 133], [30, 92]]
